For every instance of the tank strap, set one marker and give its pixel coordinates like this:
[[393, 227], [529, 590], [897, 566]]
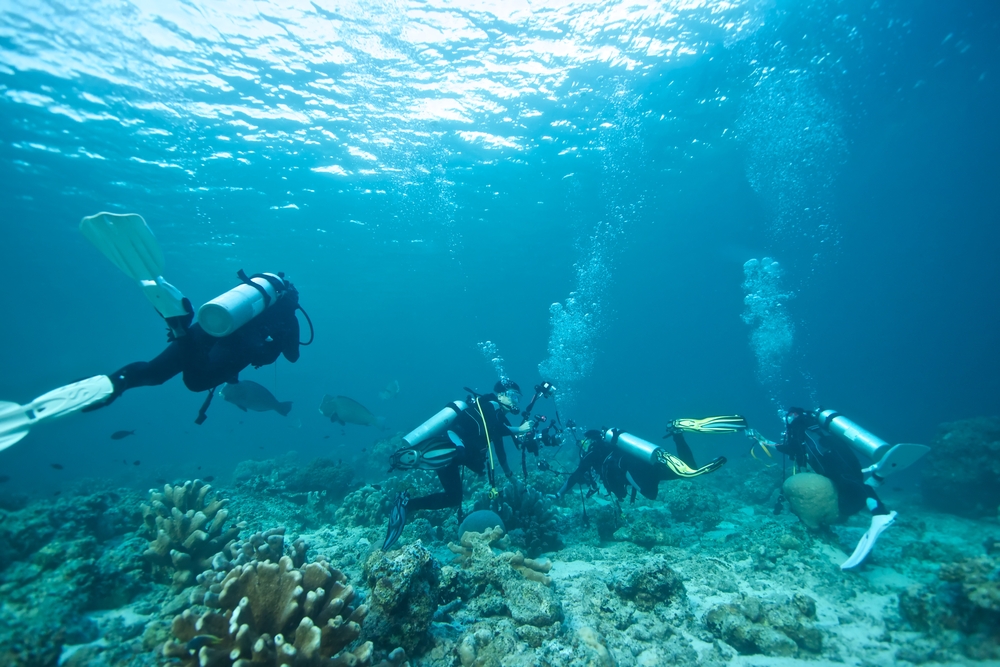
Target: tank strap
[[242, 275]]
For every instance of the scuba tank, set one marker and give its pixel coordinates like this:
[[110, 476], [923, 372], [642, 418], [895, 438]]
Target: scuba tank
[[886, 459], [647, 452], [861, 440], [436, 425], [231, 310], [633, 445]]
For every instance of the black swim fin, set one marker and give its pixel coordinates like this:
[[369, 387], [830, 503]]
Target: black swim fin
[[397, 520]]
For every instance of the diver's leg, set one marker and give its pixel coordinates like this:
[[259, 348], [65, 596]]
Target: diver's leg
[[451, 480], [684, 449], [143, 374]]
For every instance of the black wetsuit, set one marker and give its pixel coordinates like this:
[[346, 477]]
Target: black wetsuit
[[207, 361], [808, 443], [619, 471], [469, 427]]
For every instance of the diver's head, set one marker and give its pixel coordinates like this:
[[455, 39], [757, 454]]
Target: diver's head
[[508, 394], [590, 439]]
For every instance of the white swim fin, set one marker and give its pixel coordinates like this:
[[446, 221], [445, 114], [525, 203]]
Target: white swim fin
[[899, 458], [129, 243], [867, 542], [16, 420]]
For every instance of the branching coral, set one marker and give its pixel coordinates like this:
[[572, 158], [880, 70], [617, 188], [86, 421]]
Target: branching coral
[[187, 524], [534, 570], [268, 546], [275, 614]]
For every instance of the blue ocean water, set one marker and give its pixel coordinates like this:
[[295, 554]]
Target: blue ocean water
[[435, 175]]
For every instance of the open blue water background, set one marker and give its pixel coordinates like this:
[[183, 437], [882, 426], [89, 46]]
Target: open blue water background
[[433, 175]]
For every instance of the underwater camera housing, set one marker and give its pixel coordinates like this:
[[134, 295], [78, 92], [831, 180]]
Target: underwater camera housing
[[546, 389]]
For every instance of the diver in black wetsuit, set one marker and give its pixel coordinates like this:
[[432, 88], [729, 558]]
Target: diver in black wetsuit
[[207, 361], [481, 434], [621, 472], [477, 444], [807, 443]]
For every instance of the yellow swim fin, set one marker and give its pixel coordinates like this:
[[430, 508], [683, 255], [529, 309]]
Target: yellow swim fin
[[681, 469]]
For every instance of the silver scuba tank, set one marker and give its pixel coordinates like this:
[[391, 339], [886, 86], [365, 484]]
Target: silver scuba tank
[[436, 425], [861, 440], [633, 445], [230, 310]]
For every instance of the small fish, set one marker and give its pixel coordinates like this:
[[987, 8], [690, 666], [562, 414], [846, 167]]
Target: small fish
[[195, 643], [136, 462], [160, 480], [57, 493], [199, 467], [124, 462], [118, 435], [377, 487], [57, 466], [210, 478], [4, 479], [326, 437], [247, 395]]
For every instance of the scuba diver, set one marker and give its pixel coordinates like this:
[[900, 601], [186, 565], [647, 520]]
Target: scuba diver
[[625, 463], [465, 433], [251, 324], [825, 440]]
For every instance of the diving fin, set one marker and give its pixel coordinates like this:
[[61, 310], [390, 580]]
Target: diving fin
[[723, 424], [867, 542], [431, 454], [900, 457], [128, 242], [397, 520], [681, 469], [16, 420]]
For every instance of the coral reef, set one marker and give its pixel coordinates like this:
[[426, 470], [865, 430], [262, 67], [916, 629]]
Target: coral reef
[[402, 598], [322, 474], [273, 614], [692, 502], [965, 600], [62, 560], [649, 583], [188, 528], [962, 473], [504, 584], [530, 520], [368, 506], [752, 626]]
